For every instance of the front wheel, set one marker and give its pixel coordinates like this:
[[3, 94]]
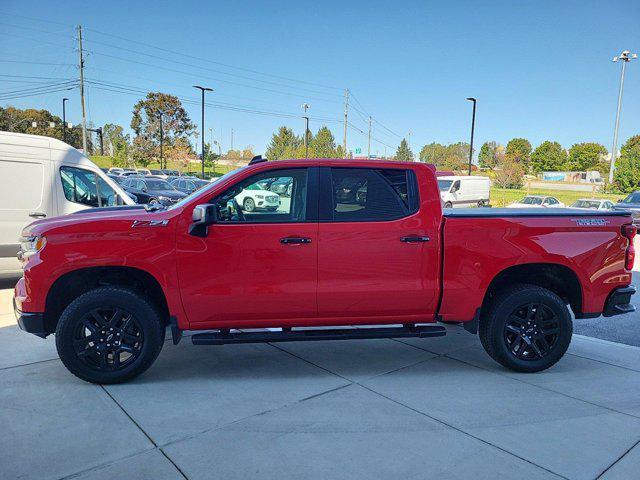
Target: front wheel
[[526, 328], [248, 205], [109, 335], [448, 205]]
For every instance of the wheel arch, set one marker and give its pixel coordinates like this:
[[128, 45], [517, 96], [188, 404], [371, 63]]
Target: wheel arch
[[559, 279], [71, 285]]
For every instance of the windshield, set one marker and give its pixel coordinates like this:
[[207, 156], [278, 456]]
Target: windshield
[[190, 197], [531, 201], [444, 185], [632, 198], [586, 204], [155, 185]]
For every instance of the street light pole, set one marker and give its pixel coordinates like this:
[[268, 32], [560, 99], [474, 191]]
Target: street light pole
[[203, 89], [64, 120], [161, 139], [305, 106], [626, 56], [473, 126]]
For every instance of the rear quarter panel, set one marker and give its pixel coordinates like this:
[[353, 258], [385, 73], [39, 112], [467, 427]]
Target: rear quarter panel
[[478, 249]]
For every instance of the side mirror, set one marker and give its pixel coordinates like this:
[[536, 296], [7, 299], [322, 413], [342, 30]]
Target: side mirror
[[456, 187], [205, 214]]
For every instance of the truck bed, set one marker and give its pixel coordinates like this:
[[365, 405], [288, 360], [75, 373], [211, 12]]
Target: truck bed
[[530, 212]]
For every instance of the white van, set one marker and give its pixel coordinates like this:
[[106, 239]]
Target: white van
[[464, 191], [44, 177]]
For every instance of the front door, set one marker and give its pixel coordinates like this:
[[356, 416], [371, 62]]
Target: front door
[[377, 258], [258, 264]]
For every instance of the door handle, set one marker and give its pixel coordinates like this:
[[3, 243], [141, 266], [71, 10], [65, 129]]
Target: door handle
[[295, 240], [37, 214], [414, 239]]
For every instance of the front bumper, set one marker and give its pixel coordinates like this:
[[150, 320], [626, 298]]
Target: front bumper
[[619, 302], [31, 322]]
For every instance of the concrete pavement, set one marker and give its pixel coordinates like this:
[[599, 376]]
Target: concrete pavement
[[416, 408]]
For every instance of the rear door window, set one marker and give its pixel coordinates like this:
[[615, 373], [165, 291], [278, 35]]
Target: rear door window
[[366, 194]]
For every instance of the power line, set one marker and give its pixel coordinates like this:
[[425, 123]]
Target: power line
[[212, 61], [157, 57], [38, 63], [28, 90], [36, 93], [190, 74]]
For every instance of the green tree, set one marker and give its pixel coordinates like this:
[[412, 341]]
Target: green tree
[[323, 144], [626, 177], [434, 153], [448, 157], [519, 150], [489, 155], [117, 144], [16, 120], [548, 157], [280, 141], [585, 156], [404, 153], [176, 123]]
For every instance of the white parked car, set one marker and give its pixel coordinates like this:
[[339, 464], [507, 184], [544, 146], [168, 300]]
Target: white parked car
[[44, 177], [464, 191], [592, 204], [255, 197], [537, 201], [143, 171], [116, 170]]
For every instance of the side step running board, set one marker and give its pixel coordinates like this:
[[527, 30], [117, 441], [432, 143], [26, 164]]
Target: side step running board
[[219, 338]]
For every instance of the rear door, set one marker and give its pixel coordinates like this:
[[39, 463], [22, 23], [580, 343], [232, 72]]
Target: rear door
[[377, 256], [25, 195]]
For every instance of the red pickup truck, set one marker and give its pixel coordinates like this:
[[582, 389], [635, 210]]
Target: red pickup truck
[[323, 243]]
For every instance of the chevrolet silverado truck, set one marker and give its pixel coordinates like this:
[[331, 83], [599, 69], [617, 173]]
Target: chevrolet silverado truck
[[110, 282]]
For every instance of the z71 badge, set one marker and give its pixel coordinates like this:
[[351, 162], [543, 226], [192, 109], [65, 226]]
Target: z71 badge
[[590, 222]]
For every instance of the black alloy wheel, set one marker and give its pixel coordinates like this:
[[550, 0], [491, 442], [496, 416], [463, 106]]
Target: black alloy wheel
[[531, 331], [108, 339]]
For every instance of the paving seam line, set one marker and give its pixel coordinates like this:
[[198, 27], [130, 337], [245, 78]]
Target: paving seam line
[[428, 416], [544, 388], [144, 432], [619, 458]]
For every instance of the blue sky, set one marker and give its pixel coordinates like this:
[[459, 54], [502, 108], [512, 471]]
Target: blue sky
[[540, 69]]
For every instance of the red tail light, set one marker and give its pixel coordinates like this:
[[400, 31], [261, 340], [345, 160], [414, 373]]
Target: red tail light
[[629, 232]]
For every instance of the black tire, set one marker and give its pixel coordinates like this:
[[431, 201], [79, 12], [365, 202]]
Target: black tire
[[127, 330], [248, 205], [448, 205], [526, 328], [481, 204]]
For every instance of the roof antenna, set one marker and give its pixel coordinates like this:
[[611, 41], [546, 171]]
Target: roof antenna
[[257, 159]]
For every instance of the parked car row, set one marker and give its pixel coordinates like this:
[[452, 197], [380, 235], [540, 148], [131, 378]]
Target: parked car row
[[546, 201]]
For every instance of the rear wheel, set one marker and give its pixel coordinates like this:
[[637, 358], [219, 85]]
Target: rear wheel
[[526, 328], [109, 335], [248, 205], [448, 205]]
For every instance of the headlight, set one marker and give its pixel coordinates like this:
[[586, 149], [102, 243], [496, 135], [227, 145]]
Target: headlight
[[31, 245], [163, 199]]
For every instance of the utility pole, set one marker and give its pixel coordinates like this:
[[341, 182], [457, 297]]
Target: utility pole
[[626, 57], [161, 139], [305, 106], [306, 140], [64, 120], [346, 114], [473, 125], [99, 132], [369, 140], [232, 139], [203, 89], [84, 114]]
